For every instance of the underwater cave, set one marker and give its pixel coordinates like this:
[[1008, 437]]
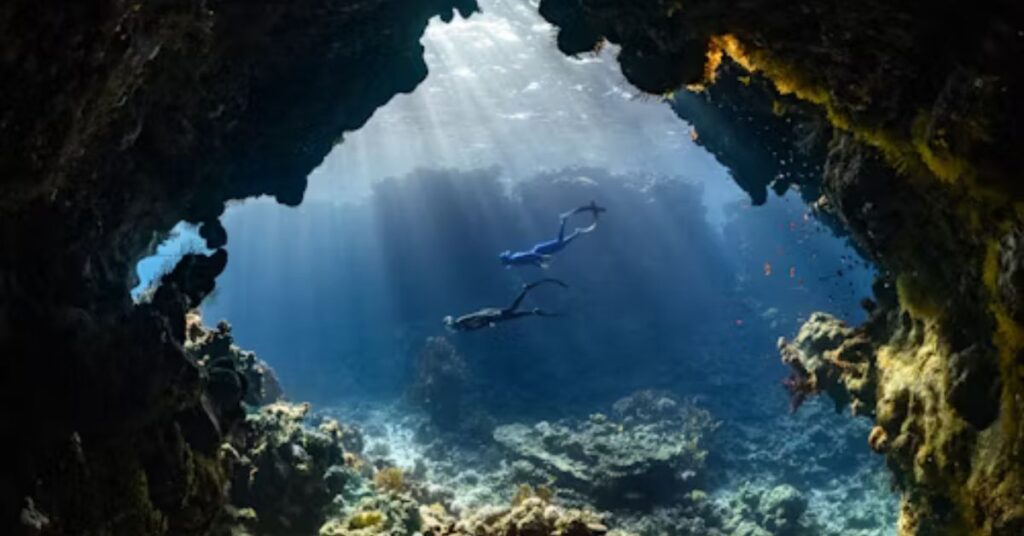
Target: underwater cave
[[512, 268]]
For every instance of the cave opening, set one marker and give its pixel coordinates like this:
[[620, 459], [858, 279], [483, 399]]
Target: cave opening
[[676, 299], [779, 213]]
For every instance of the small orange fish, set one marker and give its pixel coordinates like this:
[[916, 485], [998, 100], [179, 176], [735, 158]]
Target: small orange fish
[[693, 134], [767, 269]]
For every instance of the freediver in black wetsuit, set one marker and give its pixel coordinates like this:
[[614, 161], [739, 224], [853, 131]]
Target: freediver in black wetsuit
[[490, 316]]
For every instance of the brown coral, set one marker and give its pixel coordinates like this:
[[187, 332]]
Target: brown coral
[[878, 440]]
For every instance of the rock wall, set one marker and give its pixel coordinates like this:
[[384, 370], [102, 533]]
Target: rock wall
[[922, 100], [119, 120]]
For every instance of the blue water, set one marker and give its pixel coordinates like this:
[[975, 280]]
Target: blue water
[[684, 285]]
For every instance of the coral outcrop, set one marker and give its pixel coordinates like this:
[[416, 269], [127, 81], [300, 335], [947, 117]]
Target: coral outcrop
[[653, 452], [829, 357], [287, 472], [440, 382], [215, 350], [397, 515]]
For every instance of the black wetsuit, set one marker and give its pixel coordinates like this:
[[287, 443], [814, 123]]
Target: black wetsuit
[[490, 316]]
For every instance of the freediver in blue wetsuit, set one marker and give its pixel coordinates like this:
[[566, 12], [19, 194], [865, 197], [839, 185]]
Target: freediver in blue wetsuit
[[541, 253]]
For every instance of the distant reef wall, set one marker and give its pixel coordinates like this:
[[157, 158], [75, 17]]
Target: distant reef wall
[[913, 112], [118, 119]]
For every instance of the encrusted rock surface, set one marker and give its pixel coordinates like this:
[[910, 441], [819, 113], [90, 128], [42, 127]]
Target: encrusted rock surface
[[828, 356], [440, 382], [119, 120], [654, 453], [287, 472], [216, 350]]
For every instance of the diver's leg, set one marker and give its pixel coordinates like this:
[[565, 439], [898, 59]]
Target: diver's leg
[[519, 300], [532, 312], [542, 313], [566, 240], [526, 290]]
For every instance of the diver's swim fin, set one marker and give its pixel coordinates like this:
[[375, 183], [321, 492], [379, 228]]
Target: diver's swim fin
[[592, 208]]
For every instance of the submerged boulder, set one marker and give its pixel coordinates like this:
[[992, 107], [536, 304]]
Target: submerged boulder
[[440, 382], [763, 510], [215, 349], [288, 472], [641, 459]]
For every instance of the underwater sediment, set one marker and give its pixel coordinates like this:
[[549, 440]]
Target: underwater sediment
[[121, 119]]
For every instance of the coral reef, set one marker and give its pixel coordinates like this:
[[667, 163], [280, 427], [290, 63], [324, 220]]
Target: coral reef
[[398, 515], [653, 453], [440, 382], [216, 351], [810, 460], [286, 472], [827, 356], [753, 510]]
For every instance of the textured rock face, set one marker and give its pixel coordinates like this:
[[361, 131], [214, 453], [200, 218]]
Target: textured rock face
[[398, 515], [827, 356], [120, 119], [643, 459], [231, 369], [769, 141], [441, 378], [287, 472]]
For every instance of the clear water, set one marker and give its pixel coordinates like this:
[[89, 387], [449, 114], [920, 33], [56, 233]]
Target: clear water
[[683, 286]]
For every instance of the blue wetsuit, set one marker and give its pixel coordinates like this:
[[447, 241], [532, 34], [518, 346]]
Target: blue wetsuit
[[540, 253]]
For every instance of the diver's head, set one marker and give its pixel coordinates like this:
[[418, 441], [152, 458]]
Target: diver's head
[[449, 323], [506, 257]]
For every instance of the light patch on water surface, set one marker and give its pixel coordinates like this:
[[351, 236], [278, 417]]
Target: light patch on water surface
[[500, 93], [182, 240]]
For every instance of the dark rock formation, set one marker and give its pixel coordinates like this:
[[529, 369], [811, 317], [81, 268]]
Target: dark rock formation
[[439, 384], [767, 140], [287, 472], [215, 349], [120, 119], [655, 454]]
